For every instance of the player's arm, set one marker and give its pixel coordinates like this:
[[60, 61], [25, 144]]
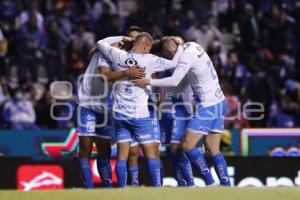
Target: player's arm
[[133, 72], [180, 71], [162, 64], [92, 52], [110, 52]]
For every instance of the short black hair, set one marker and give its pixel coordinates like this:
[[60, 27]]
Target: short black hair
[[133, 28], [156, 47]]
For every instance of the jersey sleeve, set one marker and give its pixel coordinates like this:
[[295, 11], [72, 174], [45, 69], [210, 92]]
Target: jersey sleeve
[[162, 64], [184, 65], [112, 53], [102, 61]]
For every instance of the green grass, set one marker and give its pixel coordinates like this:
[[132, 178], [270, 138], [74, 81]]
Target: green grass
[[157, 194]]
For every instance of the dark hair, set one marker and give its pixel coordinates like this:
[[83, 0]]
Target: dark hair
[[127, 46], [133, 28], [156, 47]]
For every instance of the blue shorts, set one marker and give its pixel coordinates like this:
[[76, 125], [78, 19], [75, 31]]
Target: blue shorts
[[173, 126], [208, 119], [133, 129], [91, 123]]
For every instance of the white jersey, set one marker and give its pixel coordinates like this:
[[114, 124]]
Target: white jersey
[[91, 93], [131, 100], [183, 93], [195, 64]]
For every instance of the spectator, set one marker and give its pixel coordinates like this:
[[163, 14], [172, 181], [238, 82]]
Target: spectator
[[291, 99], [19, 112], [54, 52], [33, 9], [75, 53], [3, 52], [59, 15], [4, 96], [236, 74], [31, 43], [103, 22], [250, 29], [43, 108]]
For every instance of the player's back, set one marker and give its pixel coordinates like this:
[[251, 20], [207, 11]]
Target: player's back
[[92, 86], [202, 75], [129, 99]]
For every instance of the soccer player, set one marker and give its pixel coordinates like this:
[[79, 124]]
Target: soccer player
[[208, 119], [92, 115], [131, 103], [176, 110], [134, 152]]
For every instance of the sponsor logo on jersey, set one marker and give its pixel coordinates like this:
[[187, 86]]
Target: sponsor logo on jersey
[[91, 126], [145, 136], [130, 62], [218, 92]]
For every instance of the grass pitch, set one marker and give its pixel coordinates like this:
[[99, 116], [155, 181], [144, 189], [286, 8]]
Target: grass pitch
[[158, 193]]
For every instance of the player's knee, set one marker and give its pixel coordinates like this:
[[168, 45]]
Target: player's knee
[[150, 153], [211, 149], [83, 153], [133, 154], [104, 149], [186, 147], [174, 147]]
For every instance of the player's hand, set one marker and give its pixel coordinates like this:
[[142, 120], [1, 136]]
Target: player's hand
[[178, 40], [141, 82], [127, 39], [135, 72]]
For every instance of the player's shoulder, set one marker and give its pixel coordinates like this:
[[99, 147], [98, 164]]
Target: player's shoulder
[[145, 58], [192, 46]]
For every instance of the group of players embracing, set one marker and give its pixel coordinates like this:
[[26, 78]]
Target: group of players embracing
[[143, 93]]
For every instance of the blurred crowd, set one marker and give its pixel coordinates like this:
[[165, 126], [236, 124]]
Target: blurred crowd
[[254, 46]]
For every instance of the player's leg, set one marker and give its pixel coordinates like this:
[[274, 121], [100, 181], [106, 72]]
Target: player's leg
[[103, 139], [157, 142], [103, 161], [144, 133], [154, 163], [183, 163], [166, 125], [172, 153], [196, 155], [198, 127], [162, 171], [123, 146], [85, 149], [86, 132], [212, 146], [133, 164]]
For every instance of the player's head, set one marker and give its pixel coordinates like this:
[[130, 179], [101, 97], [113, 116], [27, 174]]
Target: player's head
[[179, 40], [156, 48], [133, 31], [168, 47], [143, 43]]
